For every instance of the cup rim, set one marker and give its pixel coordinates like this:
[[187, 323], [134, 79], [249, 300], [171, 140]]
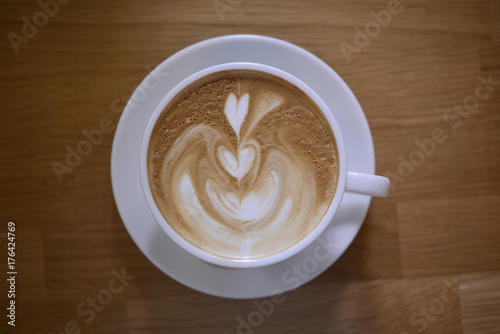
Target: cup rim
[[302, 243]]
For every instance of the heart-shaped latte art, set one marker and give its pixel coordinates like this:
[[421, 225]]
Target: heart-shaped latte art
[[236, 111], [238, 166], [235, 204], [250, 207]]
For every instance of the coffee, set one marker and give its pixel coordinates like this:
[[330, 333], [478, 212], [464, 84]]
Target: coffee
[[242, 164]]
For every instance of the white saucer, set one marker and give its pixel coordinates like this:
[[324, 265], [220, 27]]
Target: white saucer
[[159, 248]]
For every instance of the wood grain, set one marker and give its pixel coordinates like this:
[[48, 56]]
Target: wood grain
[[480, 302], [427, 259]]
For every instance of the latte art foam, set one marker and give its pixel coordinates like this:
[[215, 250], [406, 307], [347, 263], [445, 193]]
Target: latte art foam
[[242, 164]]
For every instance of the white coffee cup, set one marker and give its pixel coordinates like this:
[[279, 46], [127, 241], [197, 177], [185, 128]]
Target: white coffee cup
[[348, 181]]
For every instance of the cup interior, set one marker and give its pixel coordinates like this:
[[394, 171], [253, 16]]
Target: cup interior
[[271, 259]]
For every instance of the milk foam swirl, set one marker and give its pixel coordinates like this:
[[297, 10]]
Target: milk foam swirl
[[238, 192]]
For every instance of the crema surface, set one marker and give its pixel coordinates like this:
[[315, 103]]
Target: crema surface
[[242, 164]]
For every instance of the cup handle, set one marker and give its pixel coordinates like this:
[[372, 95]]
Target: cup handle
[[367, 184]]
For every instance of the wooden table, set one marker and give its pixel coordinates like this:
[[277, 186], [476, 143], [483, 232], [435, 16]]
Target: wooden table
[[427, 74]]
